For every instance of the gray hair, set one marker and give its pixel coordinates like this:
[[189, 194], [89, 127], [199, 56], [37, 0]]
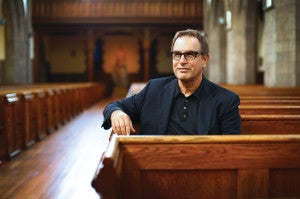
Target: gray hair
[[192, 33]]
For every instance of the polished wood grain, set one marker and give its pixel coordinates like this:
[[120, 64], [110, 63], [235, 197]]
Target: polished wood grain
[[62, 165], [269, 109], [270, 124], [237, 166]]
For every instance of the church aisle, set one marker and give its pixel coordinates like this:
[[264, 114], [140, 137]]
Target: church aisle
[[62, 165]]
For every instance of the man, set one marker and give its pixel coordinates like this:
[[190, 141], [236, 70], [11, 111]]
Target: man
[[184, 104]]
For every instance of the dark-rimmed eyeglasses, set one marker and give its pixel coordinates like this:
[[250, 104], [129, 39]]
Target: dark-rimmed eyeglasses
[[189, 55]]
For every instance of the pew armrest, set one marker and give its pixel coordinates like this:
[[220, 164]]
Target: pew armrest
[[109, 168]]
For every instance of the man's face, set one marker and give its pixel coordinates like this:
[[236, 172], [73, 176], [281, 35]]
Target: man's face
[[188, 70]]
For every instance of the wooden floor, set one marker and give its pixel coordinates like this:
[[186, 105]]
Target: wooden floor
[[62, 165]]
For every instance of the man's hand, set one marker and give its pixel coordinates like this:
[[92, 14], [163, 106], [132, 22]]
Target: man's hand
[[121, 123]]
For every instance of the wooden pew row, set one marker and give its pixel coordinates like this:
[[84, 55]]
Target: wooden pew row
[[246, 89], [249, 93], [261, 116], [271, 102], [270, 124], [258, 92], [269, 109], [268, 97], [242, 167], [262, 90], [29, 112], [67, 102], [264, 124], [288, 101], [252, 98]]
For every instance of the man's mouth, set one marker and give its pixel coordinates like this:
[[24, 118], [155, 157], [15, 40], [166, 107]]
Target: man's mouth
[[183, 69]]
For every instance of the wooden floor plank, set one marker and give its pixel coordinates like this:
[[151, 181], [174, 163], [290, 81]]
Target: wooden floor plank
[[60, 166]]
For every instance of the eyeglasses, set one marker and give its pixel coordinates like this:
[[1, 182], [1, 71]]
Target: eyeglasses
[[189, 55]]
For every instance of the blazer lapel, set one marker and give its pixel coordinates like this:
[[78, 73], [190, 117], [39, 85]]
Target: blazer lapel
[[205, 106], [165, 103]]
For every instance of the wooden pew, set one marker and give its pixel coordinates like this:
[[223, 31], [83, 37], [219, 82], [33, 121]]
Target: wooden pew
[[41, 113], [268, 97], [50, 111], [250, 95], [242, 167], [280, 109], [264, 125], [270, 102], [262, 90], [30, 115], [262, 93], [11, 125], [29, 111], [270, 124]]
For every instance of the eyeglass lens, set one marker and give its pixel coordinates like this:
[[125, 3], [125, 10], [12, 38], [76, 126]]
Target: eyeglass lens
[[189, 55]]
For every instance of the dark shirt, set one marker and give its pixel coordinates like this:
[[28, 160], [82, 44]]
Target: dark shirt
[[184, 117]]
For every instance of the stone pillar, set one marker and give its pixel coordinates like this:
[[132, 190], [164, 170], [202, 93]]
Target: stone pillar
[[29, 43], [282, 54], [2, 42], [17, 66], [216, 37], [241, 43]]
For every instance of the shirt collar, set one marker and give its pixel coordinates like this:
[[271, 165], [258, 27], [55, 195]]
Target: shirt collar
[[196, 93]]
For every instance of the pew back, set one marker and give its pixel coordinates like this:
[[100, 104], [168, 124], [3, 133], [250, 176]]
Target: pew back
[[200, 167]]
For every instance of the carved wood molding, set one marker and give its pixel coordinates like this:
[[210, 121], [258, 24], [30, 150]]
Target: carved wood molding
[[115, 11]]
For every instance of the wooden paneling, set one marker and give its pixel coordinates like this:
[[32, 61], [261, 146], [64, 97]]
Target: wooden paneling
[[166, 184], [100, 11]]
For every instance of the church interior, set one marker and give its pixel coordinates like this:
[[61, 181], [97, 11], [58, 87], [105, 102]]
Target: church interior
[[63, 61]]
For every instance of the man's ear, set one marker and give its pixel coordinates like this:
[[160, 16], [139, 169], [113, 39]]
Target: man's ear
[[205, 59]]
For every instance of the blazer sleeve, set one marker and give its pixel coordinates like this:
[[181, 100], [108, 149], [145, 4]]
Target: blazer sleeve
[[130, 105], [230, 118]]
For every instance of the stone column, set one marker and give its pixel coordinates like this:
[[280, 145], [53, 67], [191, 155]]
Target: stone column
[[16, 66], [216, 37], [241, 43], [282, 52], [29, 38], [2, 42]]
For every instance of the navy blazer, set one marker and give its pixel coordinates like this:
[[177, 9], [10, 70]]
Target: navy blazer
[[151, 108]]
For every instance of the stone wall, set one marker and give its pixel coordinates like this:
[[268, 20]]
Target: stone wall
[[238, 51], [17, 66], [282, 44]]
